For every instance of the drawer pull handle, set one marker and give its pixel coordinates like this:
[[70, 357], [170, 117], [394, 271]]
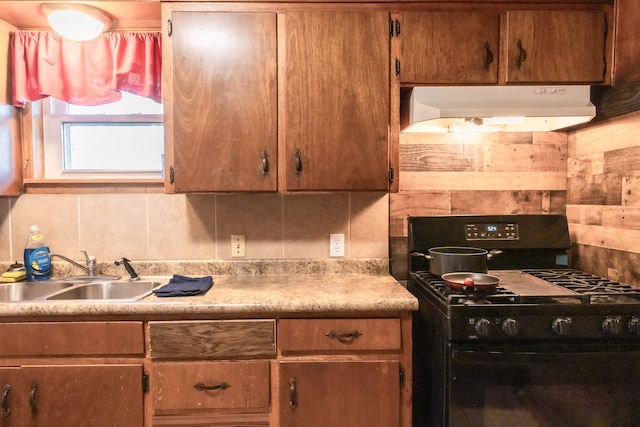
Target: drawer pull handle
[[32, 398], [5, 400], [293, 397], [344, 337], [202, 386]]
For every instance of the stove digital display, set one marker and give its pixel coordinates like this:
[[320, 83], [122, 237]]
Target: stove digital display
[[492, 231]]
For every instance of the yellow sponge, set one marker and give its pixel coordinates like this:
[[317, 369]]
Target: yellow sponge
[[13, 276]]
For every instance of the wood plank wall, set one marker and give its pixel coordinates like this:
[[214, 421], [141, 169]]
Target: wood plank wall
[[479, 173], [603, 198]]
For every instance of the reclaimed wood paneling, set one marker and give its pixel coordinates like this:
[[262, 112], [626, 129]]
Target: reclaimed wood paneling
[[476, 173], [525, 180], [603, 189]]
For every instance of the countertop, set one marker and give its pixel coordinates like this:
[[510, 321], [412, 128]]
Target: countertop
[[247, 296]]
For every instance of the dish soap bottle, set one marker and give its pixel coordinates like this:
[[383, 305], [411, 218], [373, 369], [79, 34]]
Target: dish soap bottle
[[37, 257]]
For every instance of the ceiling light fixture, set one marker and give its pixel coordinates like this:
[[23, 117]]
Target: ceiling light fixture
[[78, 22]]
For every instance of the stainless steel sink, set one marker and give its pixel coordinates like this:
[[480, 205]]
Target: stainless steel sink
[[27, 291], [107, 291]]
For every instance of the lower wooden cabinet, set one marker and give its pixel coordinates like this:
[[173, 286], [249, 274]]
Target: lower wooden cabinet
[[72, 395], [339, 393]]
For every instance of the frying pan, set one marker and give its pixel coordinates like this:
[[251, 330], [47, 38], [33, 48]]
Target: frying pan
[[471, 282]]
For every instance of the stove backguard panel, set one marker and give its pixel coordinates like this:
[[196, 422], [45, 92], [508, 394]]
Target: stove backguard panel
[[526, 241]]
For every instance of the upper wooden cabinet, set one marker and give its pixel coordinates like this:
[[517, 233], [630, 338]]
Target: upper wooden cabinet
[[337, 100], [226, 127], [220, 101], [556, 46], [450, 47], [503, 47]]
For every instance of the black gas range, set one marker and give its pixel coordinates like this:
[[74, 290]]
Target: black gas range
[[504, 357]]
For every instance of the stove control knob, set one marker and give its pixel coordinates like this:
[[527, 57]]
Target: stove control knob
[[510, 327], [483, 327], [612, 326], [561, 326], [634, 326]]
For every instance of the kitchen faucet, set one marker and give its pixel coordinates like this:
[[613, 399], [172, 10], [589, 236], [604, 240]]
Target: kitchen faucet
[[129, 268], [90, 268]]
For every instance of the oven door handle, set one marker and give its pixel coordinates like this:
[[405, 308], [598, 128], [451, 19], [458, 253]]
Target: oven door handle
[[554, 354]]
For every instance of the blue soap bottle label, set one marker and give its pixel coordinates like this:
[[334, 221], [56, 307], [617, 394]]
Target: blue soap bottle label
[[38, 263]]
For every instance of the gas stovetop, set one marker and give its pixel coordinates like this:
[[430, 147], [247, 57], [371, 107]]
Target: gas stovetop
[[537, 286], [534, 304]]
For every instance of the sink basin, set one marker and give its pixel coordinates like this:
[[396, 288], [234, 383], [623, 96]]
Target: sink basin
[[103, 291], [26, 291]]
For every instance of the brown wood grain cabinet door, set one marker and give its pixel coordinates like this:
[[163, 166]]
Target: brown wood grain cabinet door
[[224, 110], [337, 100], [555, 46], [339, 393], [450, 47], [84, 395]]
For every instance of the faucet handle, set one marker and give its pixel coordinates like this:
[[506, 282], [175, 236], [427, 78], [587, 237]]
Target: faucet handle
[[91, 263]]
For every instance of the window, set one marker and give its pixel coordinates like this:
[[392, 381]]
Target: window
[[124, 139]]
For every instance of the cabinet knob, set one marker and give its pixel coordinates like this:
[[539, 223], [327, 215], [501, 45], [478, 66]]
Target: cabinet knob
[[298, 162], [293, 398], [343, 337], [265, 163], [489, 56], [5, 400], [202, 386], [522, 55]]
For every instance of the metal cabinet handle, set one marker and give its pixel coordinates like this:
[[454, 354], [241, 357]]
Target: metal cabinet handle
[[32, 398], [298, 161], [343, 337], [5, 400], [293, 397], [489, 55], [265, 163], [522, 56], [202, 386]]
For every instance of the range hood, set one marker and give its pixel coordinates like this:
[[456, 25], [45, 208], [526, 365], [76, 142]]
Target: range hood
[[495, 108]]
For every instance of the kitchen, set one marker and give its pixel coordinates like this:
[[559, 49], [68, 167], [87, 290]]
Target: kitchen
[[564, 177]]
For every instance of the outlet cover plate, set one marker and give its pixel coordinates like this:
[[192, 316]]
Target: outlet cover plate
[[336, 245], [237, 246]]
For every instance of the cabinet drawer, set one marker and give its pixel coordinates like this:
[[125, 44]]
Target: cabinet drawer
[[180, 386], [71, 338], [217, 339], [339, 334]]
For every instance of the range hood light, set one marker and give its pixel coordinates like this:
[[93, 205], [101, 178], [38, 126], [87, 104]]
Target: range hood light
[[495, 108]]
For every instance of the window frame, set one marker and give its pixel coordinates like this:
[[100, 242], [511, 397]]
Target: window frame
[[54, 114]]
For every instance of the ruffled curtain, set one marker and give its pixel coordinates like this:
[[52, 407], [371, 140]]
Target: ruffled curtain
[[85, 73]]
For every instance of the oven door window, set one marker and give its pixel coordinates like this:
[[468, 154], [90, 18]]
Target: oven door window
[[552, 388]]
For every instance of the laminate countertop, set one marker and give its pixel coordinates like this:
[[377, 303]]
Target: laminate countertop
[[246, 296]]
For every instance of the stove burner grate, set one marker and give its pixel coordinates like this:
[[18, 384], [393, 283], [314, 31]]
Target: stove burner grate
[[581, 282]]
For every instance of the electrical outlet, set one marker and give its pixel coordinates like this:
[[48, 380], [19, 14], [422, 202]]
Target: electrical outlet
[[237, 246], [336, 244]]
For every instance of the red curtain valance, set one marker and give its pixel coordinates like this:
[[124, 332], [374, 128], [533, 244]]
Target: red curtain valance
[[85, 73]]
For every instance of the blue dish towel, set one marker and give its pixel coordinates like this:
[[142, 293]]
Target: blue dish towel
[[183, 286]]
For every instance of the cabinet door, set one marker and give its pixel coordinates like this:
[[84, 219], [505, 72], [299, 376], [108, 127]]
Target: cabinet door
[[555, 46], [12, 396], [339, 393], [84, 395], [222, 129], [450, 48], [337, 100]]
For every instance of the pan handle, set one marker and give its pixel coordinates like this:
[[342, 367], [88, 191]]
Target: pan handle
[[493, 253], [421, 255]]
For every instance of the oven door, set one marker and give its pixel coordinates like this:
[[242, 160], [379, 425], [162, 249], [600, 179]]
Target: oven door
[[544, 385]]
